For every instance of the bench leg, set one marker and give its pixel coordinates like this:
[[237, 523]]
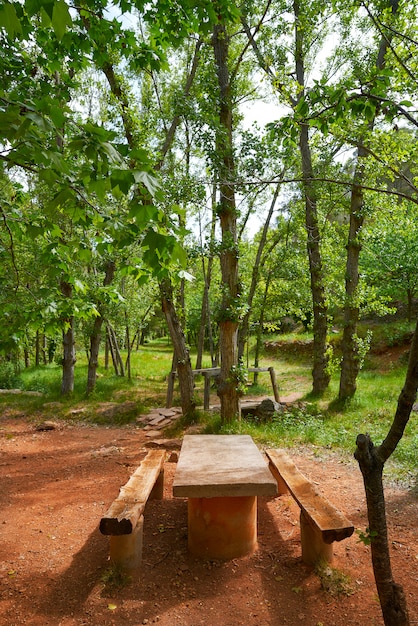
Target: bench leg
[[157, 492], [313, 547], [206, 392], [282, 488], [126, 550]]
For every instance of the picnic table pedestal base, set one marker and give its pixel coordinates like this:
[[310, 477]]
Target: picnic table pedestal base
[[222, 527]]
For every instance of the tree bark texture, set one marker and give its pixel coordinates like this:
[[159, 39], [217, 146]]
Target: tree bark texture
[[391, 595], [258, 264], [181, 351], [350, 364], [205, 317], [228, 323], [176, 331], [114, 351], [68, 343], [371, 460], [95, 337], [320, 373]]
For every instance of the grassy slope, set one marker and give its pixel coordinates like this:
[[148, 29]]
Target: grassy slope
[[310, 422]]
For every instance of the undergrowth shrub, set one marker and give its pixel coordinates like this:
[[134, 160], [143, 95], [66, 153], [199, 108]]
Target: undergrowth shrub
[[9, 377]]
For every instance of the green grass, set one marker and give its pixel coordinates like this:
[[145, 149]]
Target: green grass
[[312, 422]]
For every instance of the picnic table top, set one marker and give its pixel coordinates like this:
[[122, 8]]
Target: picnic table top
[[222, 466]]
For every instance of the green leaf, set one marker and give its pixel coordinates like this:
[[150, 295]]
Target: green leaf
[[9, 20], [57, 116], [61, 19], [143, 214], [79, 285], [61, 199], [150, 181], [121, 179]]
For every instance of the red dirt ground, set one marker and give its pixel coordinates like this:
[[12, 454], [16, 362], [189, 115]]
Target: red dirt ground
[[55, 485]]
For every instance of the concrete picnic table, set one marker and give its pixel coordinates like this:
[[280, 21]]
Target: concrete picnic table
[[222, 475]]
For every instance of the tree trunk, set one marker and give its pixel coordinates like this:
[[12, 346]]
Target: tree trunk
[[128, 347], [114, 351], [228, 324], [95, 337], [68, 342], [371, 460], [44, 359], [181, 352], [38, 340], [117, 87], [207, 275], [243, 331], [320, 373], [350, 364], [260, 327]]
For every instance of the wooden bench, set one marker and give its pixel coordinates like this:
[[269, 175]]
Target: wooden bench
[[124, 519], [320, 523]]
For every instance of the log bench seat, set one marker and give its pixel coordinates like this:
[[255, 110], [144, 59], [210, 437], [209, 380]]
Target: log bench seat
[[320, 522], [124, 519]]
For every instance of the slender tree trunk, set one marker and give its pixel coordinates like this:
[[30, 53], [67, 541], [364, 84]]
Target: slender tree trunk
[[107, 350], [44, 359], [95, 337], [114, 351], [207, 275], [128, 347], [245, 324], [260, 326], [228, 324], [350, 364], [68, 342], [181, 351], [118, 91], [371, 460], [320, 373], [38, 340]]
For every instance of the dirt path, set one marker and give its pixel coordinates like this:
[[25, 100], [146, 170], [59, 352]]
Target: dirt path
[[55, 485]]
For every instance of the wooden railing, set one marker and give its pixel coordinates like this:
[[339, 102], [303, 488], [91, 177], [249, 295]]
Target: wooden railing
[[210, 372]]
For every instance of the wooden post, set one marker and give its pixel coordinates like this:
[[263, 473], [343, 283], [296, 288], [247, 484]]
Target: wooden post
[[170, 389], [314, 549], [274, 384], [157, 492], [206, 395]]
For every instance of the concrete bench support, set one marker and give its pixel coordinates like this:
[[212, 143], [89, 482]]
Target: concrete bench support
[[320, 522], [124, 519], [222, 528]]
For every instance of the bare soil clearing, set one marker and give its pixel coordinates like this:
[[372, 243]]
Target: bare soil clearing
[[55, 485]]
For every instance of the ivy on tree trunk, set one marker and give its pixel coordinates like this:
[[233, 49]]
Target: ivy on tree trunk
[[228, 323]]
